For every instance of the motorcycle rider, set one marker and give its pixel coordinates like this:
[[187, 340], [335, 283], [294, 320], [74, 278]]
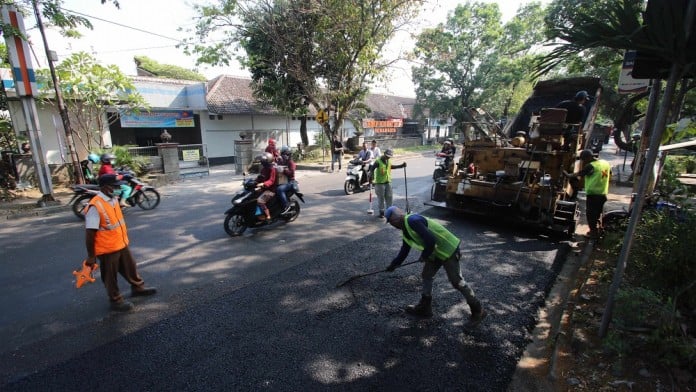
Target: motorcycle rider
[[289, 172], [88, 168], [266, 180], [107, 167], [366, 158], [447, 152]]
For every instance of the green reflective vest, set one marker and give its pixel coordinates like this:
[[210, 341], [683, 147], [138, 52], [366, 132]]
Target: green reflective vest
[[382, 171], [598, 182], [445, 242]]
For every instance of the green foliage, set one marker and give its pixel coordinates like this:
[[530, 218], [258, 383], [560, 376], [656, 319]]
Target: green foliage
[[137, 164], [89, 91], [166, 70]]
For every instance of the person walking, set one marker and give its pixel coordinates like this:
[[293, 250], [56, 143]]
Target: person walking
[[439, 248], [597, 173], [380, 175], [106, 238], [337, 153]]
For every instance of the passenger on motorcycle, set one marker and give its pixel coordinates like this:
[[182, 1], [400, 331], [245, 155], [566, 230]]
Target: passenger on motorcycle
[[447, 152], [365, 156], [107, 167], [266, 180], [289, 172], [88, 168]]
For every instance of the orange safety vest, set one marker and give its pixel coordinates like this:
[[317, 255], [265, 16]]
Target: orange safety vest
[[112, 235]]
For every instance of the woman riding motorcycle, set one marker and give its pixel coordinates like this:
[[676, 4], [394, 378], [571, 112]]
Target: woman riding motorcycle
[[267, 181], [107, 168]]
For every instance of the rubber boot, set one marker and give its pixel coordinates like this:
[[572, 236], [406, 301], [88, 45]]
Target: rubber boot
[[477, 311], [424, 308]]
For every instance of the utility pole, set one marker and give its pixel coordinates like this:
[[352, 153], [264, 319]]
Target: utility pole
[[70, 141]]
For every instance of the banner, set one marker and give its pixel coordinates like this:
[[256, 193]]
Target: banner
[[628, 84], [158, 119]]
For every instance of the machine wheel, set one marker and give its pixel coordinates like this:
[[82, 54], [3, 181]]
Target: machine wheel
[[438, 173], [148, 199], [349, 187], [294, 213], [234, 225], [80, 205]]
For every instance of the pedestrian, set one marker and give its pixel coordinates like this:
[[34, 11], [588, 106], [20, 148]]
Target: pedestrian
[[107, 239], [380, 175], [439, 248], [337, 152], [597, 173]]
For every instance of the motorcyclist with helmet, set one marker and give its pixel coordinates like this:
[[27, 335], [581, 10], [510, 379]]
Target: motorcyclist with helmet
[[88, 168], [447, 152], [289, 167], [107, 167], [266, 180]]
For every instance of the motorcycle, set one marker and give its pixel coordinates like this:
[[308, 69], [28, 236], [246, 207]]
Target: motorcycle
[[143, 195], [614, 220], [441, 163], [245, 211], [356, 177]]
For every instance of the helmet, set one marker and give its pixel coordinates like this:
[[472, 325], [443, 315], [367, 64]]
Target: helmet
[[107, 158], [92, 157], [586, 155], [582, 94], [285, 150], [450, 140], [447, 142], [266, 158], [389, 153]]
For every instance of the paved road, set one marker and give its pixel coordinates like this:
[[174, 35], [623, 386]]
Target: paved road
[[263, 311]]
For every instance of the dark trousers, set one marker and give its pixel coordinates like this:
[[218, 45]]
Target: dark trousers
[[119, 262], [336, 158], [594, 207]]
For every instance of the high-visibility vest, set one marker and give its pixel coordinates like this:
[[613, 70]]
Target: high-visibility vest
[[598, 182], [382, 172], [445, 242], [111, 235]]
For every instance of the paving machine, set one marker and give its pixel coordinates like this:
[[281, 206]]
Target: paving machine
[[517, 170]]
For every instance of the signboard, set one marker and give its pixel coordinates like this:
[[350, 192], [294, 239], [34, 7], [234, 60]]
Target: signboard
[[322, 117], [191, 155], [18, 52], [383, 126], [158, 119], [627, 84]]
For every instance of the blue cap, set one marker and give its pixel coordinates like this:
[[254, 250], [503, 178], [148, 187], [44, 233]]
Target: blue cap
[[388, 213]]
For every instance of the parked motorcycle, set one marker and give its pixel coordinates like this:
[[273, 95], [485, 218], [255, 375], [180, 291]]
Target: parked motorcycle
[[143, 195], [356, 177], [615, 219], [245, 211]]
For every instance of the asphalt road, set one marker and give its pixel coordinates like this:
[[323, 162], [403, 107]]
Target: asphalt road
[[262, 311]]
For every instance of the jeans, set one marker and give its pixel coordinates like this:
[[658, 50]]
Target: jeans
[[282, 195], [384, 194], [336, 158]]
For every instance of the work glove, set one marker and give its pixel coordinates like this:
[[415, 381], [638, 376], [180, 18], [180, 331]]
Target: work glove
[[404, 164]]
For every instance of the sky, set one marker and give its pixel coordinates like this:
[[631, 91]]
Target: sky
[[149, 28]]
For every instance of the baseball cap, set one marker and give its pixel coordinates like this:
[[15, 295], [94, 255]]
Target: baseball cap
[[583, 94], [389, 153], [389, 212], [109, 179]]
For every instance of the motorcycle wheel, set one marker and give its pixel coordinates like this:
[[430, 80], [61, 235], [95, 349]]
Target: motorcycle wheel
[[294, 213], [147, 199], [438, 173], [80, 205], [349, 187], [234, 225]]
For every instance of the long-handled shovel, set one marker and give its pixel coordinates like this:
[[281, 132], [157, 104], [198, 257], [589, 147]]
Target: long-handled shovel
[[370, 211], [408, 209], [352, 278]]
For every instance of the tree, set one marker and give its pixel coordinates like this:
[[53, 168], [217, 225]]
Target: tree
[[165, 70], [304, 52], [474, 60], [90, 90]]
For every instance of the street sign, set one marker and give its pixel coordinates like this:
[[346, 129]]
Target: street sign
[[322, 117]]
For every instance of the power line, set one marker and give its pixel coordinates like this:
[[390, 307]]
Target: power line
[[121, 25]]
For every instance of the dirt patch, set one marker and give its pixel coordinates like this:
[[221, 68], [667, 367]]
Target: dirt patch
[[584, 362]]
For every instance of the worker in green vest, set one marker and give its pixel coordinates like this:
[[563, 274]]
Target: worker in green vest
[[597, 173], [380, 175], [439, 248]]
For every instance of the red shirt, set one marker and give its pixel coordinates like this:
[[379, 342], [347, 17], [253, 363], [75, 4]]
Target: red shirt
[[106, 169], [267, 177]]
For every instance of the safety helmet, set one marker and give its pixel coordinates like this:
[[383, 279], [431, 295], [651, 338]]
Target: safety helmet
[[285, 150], [108, 158], [447, 142], [92, 157], [265, 158], [586, 155]]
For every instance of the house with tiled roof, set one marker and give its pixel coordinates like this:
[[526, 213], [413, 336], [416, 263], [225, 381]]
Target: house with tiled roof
[[216, 115]]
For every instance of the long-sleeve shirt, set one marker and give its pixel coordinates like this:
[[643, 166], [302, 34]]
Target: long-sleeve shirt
[[420, 226]]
